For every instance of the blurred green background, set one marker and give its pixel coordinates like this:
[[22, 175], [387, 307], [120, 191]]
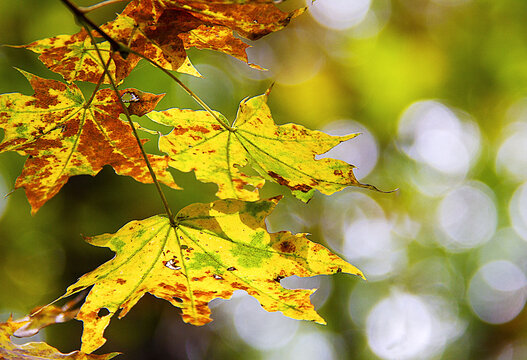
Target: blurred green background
[[438, 90]]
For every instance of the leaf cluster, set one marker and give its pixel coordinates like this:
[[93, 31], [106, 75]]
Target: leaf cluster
[[205, 251]]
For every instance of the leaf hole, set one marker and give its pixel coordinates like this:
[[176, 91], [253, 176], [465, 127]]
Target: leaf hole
[[130, 97], [278, 278], [171, 264], [103, 312], [232, 268]]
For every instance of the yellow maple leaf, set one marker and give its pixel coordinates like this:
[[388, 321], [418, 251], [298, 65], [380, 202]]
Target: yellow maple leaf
[[214, 249], [284, 154]]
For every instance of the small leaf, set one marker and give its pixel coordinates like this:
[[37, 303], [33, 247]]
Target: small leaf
[[284, 154], [37, 350], [64, 137], [215, 249]]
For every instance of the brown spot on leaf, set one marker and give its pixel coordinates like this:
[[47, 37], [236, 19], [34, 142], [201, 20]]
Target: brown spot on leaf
[[287, 247], [240, 286], [200, 129], [121, 281], [179, 130], [280, 180]]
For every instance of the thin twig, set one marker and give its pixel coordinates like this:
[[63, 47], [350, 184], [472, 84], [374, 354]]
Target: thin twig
[[188, 91], [87, 9], [136, 135]]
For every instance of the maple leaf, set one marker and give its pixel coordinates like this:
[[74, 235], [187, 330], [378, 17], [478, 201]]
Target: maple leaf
[[37, 350], [75, 58], [250, 19], [64, 136], [162, 31], [284, 154], [214, 249]]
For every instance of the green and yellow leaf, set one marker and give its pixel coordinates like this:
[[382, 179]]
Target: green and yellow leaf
[[65, 137], [37, 350], [213, 250], [284, 154]]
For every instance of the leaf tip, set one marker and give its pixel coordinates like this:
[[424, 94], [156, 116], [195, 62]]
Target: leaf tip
[[26, 74], [268, 91]]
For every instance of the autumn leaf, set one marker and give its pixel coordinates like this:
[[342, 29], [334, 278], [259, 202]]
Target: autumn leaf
[[164, 30], [76, 59], [41, 317], [140, 28], [64, 136], [284, 154], [215, 249], [37, 350], [251, 20]]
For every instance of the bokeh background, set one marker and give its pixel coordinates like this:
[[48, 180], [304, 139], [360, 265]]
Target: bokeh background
[[438, 89]]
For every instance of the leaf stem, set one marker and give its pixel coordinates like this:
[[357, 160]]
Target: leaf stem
[[136, 135], [187, 90], [87, 9]]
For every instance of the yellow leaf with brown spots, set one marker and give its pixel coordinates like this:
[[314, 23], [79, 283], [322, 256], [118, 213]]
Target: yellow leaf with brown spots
[[213, 250], [64, 136], [162, 31], [284, 154], [75, 58], [37, 350]]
